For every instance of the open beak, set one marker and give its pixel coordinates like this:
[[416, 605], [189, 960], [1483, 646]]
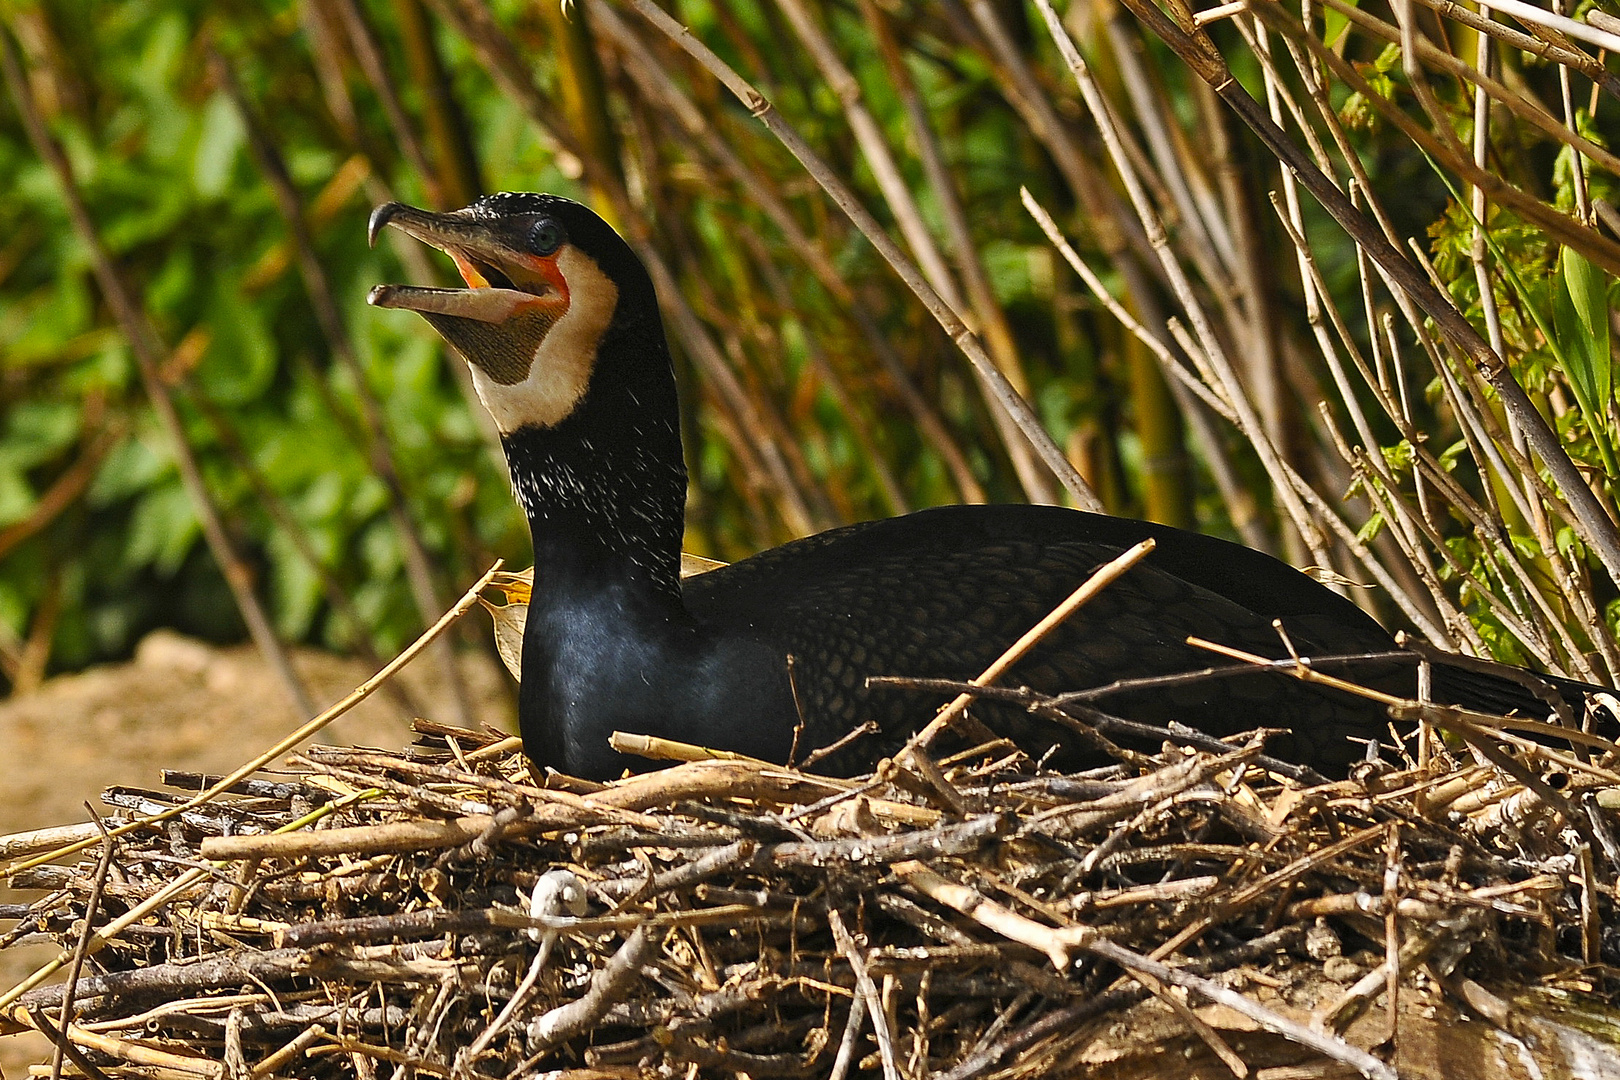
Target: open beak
[[502, 280]]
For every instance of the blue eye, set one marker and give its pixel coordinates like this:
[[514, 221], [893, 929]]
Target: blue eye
[[546, 237]]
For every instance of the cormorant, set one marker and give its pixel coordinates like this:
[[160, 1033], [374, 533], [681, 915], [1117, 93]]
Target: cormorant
[[561, 329]]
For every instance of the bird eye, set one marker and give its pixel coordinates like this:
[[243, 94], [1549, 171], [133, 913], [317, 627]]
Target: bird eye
[[546, 236]]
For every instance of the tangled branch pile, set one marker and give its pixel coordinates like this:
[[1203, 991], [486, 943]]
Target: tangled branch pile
[[970, 916]]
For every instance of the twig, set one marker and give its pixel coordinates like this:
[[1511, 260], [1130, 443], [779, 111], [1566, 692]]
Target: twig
[[1329, 1046], [557, 892], [63, 1046], [281, 1057], [1200, 54], [868, 992], [92, 907], [609, 984]]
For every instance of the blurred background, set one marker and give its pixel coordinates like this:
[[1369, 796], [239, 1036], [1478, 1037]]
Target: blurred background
[[203, 427]]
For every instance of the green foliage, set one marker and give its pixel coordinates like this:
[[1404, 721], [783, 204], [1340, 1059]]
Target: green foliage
[[95, 522], [1580, 302], [1335, 25], [161, 154], [1567, 304], [1357, 112], [1530, 259]]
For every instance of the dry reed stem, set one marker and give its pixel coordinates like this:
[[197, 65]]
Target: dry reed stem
[[1587, 513], [379, 444], [1001, 389], [1104, 576]]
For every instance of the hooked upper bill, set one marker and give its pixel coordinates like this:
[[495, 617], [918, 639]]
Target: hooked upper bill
[[503, 280]]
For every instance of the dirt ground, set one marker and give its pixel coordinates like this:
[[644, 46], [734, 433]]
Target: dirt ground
[[182, 704]]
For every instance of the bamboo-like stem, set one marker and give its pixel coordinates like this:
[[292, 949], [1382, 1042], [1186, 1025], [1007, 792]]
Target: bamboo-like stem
[[1249, 253], [908, 215], [834, 382], [583, 96], [1174, 373], [1236, 396], [1305, 493], [368, 51], [1560, 53], [1562, 24], [326, 52], [1169, 169], [1280, 101], [1531, 112], [148, 353], [1156, 406], [1565, 230], [1455, 495], [457, 175], [1030, 99], [763, 407], [1583, 200], [1479, 253], [711, 360], [992, 317]]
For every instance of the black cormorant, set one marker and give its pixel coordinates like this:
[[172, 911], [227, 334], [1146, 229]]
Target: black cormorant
[[561, 329]]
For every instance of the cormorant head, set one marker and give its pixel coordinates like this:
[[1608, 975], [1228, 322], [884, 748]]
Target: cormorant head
[[544, 277]]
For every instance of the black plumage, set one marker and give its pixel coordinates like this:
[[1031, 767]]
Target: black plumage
[[614, 640], [942, 592]]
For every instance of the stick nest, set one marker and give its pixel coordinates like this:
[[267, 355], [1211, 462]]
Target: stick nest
[[436, 910]]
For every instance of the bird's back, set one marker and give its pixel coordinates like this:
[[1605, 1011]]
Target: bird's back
[[942, 593]]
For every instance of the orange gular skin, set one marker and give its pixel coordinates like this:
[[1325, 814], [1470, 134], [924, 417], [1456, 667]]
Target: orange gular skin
[[544, 268]]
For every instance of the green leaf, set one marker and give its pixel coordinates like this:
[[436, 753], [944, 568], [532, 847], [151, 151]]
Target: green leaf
[[1449, 457], [134, 465], [1580, 304], [1588, 290], [39, 430], [1369, 532], [242, 361], [16, 496], [1569, 545], [297, 589], [163, 529], [1400, 456], [218, 143], [1334, 25]]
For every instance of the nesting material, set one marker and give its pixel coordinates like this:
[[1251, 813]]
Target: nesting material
[[972, 915]]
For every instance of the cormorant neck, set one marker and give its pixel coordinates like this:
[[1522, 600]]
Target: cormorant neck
[[605, 504], [604, 486]]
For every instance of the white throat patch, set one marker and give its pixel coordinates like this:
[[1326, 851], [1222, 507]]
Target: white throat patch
[[560, 370]]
